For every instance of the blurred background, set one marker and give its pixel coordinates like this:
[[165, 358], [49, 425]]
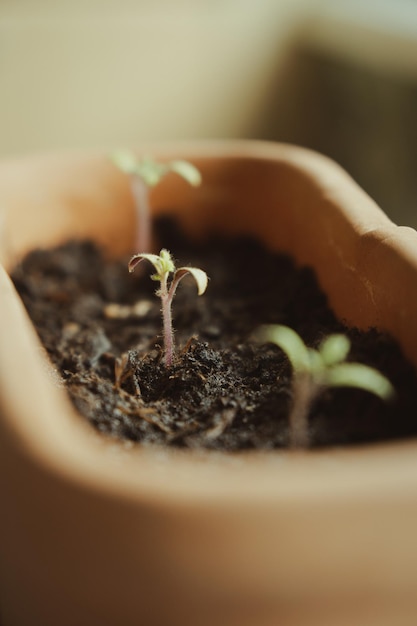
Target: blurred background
[[337, 76]]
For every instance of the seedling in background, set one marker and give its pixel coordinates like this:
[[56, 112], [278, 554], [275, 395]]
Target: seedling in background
[[144, 174], [164, 266], [316, 370]]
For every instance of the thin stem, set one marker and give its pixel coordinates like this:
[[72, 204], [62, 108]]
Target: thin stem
[[140, 194], [166, 301], [305, 391]]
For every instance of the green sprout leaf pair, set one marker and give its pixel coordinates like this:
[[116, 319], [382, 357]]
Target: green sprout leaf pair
[[327, 365], [144, 174], [164, 266], [151, 171], [316, 370]]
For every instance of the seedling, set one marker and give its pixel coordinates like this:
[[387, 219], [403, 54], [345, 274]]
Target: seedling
[[164, 266], [144, 174], [316, 370]]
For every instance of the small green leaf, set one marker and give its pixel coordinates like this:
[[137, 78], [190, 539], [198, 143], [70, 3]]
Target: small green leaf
[[162, 263], [150, 171], [167, 264], [362, 377], [137, 258], [199, 276], [334, 349], [290, 342], [187, 171], [125, 160], [316, 363]]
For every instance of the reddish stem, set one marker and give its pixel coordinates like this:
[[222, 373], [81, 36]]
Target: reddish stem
[[166, 302], [305, 391], [140, 194]]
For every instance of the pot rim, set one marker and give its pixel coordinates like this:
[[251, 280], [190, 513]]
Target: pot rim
[[70, 451]]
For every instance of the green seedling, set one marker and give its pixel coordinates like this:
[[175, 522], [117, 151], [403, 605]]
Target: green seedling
[[316, 370], [164, 267], [144, 174]]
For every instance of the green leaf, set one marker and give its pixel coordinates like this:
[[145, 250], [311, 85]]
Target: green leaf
[[334, 349], [125, 160], [187, 171], [199, 276], [166, 262], [362, 377], [316, 363], [150, 171], [137, 258], [163, 263], [290, 342]]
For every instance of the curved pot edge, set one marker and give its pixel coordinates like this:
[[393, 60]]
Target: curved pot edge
[[88, 455]]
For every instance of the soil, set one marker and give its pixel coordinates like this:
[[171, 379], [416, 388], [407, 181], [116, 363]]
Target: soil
[[101, 328]]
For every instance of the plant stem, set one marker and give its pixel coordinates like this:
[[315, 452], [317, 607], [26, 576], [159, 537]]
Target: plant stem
[[166, 301], [305, 391], [140, 194]]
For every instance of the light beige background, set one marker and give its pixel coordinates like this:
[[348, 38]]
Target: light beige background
[[90, 72], [78, 73], [338, 76]]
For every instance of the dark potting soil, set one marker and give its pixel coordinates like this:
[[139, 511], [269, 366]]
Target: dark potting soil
[[101, 327]]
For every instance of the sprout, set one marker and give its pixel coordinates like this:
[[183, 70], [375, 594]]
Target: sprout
[[164, 266], [316, 370], [144, 174]]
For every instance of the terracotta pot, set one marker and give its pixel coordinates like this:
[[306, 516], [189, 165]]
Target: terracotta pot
[[94, 534]]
